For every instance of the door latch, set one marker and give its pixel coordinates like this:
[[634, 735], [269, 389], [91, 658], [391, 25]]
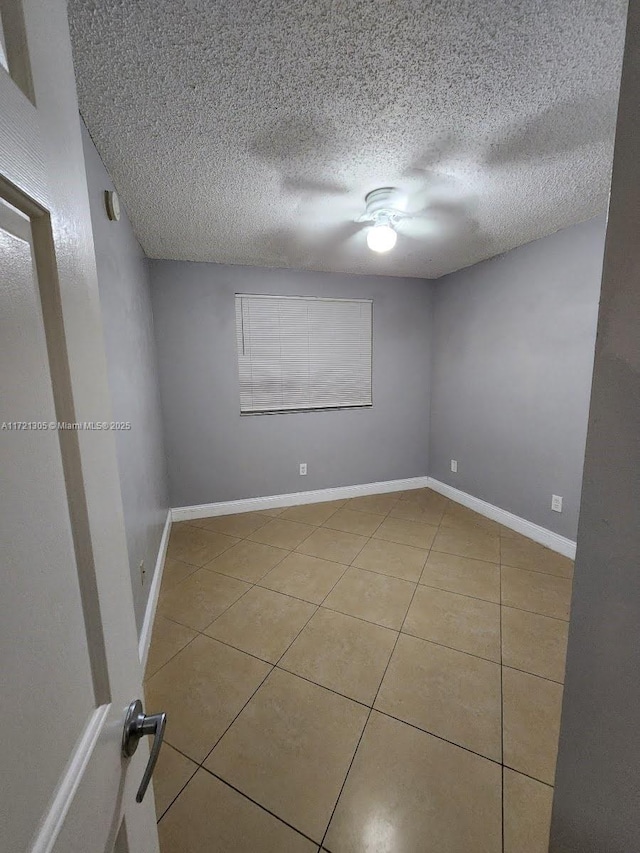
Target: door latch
[[136, 725]]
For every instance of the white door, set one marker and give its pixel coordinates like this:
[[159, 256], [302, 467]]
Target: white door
[[69, 664]]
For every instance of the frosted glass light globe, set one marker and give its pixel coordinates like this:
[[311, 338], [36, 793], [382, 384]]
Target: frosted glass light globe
[[381, 238]]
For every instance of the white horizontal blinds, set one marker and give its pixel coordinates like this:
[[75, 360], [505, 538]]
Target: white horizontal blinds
[[303, 353]]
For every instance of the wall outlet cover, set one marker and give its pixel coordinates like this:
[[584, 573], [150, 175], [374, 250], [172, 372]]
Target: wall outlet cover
[[556, 503], [454, 466], [303, 469]]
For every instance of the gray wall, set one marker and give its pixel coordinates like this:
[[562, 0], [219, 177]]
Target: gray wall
[[123, 283], [216, 455], [513, 341], [597, 797]]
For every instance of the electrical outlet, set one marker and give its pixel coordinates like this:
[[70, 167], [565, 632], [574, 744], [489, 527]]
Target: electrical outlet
[[556, 503], [454, 466], [143, 572], [303, 469]]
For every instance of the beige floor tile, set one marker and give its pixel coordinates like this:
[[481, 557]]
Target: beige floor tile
[[210, 817], [199, 599], [239, 524], [196, 545], [410, 791], [377, 504], [171, 774], [415, 511], [537, 592], [248, 561], [531, 722], [523, 553], [459, 516], [290, 750], [468, 541], [448, 693], [352, 521], [371, 596], [334, 545], [534, 643], [304, 577], [273, 512], [342, 653], [166, 641], [282, 534], [202, 689], [391, 558], [174, 572], [527, 814], [406, 532], [314, 514], [463, 623], [262, 623], [476, 578]]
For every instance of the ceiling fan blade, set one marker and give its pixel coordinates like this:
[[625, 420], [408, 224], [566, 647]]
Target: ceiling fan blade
[[442, 220], [433, 188], [437, 151], [555, 131], [312, 186], [417, 227], [336, 236]]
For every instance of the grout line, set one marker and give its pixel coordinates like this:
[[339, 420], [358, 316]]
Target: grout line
[[260, 806], [536, 572], [285, 551], [535, 613], [439, 737], [317, 607], [344, 782], [201, 764], [238, 649], [335, 584], [361, 618], [455, 592], [382, 574], [146, 678], [182, 788], [534, 674], [451, 648], [324, 686]]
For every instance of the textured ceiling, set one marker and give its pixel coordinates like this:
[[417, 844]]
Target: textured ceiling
[[249, 131]]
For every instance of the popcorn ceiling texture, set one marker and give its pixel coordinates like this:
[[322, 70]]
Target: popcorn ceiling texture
[[249, 131]]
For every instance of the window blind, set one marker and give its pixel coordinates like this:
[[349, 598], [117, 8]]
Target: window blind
[[297, 353]]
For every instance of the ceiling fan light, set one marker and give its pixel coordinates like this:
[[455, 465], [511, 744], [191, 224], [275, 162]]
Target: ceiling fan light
[[381, 238]]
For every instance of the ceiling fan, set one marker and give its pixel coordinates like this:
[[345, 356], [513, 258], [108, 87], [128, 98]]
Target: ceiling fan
[[390, 211], [384, 210], [435, 212]]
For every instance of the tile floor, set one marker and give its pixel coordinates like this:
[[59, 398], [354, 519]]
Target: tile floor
[[366, 676]]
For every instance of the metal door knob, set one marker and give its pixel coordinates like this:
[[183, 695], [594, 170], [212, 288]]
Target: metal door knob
[[136, 725]]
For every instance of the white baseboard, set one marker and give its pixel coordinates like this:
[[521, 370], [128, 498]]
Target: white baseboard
[[552, 540], [154, 592], [184, 513]]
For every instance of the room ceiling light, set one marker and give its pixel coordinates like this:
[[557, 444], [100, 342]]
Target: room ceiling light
[[381, 238], [383, 210]]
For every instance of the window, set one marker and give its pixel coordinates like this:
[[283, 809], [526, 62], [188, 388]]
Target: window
[[297, 353]]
